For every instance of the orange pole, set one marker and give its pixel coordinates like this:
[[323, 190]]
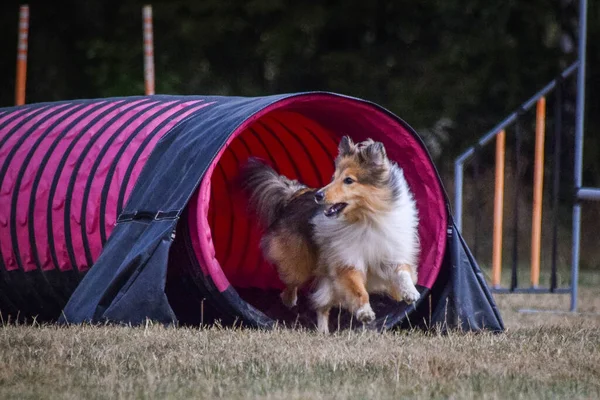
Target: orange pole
[[22, 55], [498, 204], [538, 183], [148, 51]]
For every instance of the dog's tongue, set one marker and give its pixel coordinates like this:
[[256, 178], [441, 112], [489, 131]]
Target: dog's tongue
[[335, 209]]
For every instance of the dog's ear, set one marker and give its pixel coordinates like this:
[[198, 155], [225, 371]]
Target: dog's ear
[[374, 153], [346, 147]]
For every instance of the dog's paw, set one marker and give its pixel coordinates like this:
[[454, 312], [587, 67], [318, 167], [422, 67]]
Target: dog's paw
[[411, 295], [365, 314], [289, 298]]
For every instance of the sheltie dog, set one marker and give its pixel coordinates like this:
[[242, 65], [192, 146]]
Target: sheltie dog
[[355, 236]]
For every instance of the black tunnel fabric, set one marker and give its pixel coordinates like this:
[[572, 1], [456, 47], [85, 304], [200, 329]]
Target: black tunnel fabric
[[121, 271], [148, 267], [460, 297]]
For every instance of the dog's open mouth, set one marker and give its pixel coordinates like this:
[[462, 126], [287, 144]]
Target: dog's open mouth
[[335, 209]]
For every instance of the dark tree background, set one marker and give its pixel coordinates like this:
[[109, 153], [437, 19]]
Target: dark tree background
[[450, 68]]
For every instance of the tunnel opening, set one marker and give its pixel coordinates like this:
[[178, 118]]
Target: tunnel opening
[[299, 138]]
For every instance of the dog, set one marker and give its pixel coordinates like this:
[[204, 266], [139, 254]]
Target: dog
[[354, 237]]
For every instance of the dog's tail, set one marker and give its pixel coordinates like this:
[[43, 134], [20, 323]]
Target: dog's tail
[[268, 192]]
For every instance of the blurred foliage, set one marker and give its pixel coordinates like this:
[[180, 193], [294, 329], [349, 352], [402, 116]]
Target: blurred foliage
[[450, 68]]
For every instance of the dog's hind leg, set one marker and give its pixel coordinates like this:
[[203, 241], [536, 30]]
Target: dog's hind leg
[[293, 259], [289, 296], [322, 300], [323, 319], [404, 284]]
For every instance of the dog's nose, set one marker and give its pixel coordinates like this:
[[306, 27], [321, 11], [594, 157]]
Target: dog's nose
[[319, 196]]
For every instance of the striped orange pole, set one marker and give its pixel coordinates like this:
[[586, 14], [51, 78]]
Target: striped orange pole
[[538, 184], [22, 55], [498, 208], [148, 50]]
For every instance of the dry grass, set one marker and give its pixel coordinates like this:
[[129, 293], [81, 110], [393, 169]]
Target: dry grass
[[540, 356]]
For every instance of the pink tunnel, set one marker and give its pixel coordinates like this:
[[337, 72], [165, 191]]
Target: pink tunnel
[[68, 170]]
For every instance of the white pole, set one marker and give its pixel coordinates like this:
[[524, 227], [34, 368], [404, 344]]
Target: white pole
[[148, 50], [21, 80]]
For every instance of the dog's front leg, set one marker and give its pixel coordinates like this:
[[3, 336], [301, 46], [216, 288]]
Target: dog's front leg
[[405, 280], [351, 286]]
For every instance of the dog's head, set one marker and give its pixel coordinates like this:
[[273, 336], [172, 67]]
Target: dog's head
[[360, 184]]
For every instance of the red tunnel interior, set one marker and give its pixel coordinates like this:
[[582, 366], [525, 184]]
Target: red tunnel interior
[[299, 139]]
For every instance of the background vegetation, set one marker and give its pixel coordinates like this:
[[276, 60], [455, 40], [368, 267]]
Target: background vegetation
[[450, 68]]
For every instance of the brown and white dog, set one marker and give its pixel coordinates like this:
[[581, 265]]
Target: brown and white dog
[[357, 235]]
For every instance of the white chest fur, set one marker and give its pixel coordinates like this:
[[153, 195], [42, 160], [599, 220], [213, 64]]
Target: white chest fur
[[388, 239]]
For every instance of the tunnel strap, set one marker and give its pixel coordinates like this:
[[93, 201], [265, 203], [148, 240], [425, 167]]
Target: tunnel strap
[[148, 215]]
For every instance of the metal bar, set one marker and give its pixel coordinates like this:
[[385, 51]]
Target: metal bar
[[513, 116], [538, 192], [579, 124], [460, 160], [22, 44], [502, 125], [587, 193], [458, 192], [498, 208], [538, 290], [549, 87], [556, 180], [517, 179], [148, 36], [476, 202], [575, 255]]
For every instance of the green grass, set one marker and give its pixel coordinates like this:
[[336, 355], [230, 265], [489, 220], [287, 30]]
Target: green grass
[[540, 356]]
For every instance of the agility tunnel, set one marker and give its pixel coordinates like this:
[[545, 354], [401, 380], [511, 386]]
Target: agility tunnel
[[127, 209]]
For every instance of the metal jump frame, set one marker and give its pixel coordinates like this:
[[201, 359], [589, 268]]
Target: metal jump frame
[[581, 193]]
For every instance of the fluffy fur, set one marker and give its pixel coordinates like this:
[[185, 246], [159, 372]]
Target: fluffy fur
[[357, 235]]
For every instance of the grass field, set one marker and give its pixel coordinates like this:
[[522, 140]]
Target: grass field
[[541, 355]]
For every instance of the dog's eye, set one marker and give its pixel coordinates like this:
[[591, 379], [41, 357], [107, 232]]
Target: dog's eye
[[348, 181]]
